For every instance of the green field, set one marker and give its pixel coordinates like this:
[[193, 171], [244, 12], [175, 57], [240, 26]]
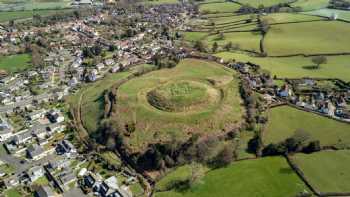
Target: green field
[[288, 18], [307, 5], [245, 40], [296, 67], [16, 15], [20, 5], [270, 177], [12, 193], [187, 115], [219, 7], [159, 2], [327, 171], [284, 121], [15, 63], [341, 14], [266, 3], [92, 104], [194, 36], [308, 38]]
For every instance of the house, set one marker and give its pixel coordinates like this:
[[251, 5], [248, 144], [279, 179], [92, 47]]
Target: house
[[37, 114], [109, 62], [55, 116], [35, 152], [40, 133], [89, 181], [67, 148], [67, 177], [35, 173], [22, 137], [73, 82], [115, 69], [92, 76], [59, 164], [109, 187], [5, 134], [100, 66], [44, 191], [56, 128]]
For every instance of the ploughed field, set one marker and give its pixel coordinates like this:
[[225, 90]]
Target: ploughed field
[[194, 97]]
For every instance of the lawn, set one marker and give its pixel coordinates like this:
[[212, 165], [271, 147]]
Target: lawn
[[296, 67], [321, 37], [307, 5], [29, 5], [270, 177], [327, 171], [284, 121], [219, 7], [220, 111], [15, 63], [194, 36], [92, 105], [12, 193], [341, 14]]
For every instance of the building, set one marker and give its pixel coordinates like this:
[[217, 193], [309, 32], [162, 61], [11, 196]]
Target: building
[[35, 152], [109, 187], [67, 177], [37, 114], [35, 173], [22, 137], [44, 191]]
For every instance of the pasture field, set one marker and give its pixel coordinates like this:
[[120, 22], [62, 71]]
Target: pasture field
[[341, 14], [219, 7], [16, 15], [244, 40], [194, 36], [327, 171], [92, 103], [15, 63], [297, 67], [162, 103], [159, 2], [284, 121], [288, 18], [307, 5], [269, 176], [265, 3], [322, 37], [27, 5]]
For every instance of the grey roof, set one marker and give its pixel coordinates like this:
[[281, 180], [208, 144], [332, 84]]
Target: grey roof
[[44, 191]]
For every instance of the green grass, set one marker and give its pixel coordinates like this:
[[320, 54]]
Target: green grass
[[7, 168], [289, 17], [244, 138], [266, 177], [15, 63], [342, 14], [219, 7], [194, 36], [16, 15], [307, 5], [244, 40], [92, 106], [266, 3], [308, 38], [296, 67], [111, 158], [327, 171], [34, 4], [42, 181], [154, 125], [159, 2], [284, 121], [12, 193]]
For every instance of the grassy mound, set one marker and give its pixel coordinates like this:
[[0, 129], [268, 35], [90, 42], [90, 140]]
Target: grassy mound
[[178, 96], [194, 97]]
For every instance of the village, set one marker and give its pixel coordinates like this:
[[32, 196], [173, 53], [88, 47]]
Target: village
[[39, 153]]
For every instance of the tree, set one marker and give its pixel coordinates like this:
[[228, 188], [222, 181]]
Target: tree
[[228, 46], [221, 36], [224, 157], [215, 47], [199, 46], [318, 60], [313, 146]]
